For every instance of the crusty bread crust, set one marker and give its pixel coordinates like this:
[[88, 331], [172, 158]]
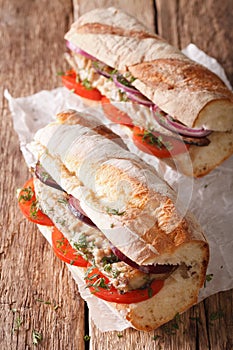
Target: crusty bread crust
[[204, 159]]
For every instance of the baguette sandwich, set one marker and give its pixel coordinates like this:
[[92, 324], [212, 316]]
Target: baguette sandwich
[[116, 221], [174, 108]]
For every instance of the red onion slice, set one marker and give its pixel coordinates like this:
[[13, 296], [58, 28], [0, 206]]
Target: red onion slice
[[124, 84], [154, 269], [76, 49], [77, 211], [45, 177], [169, 124], [139, 99]]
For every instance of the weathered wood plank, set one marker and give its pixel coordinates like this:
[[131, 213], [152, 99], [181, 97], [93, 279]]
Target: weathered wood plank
[[32, 33], [31, 53], [143, 10]]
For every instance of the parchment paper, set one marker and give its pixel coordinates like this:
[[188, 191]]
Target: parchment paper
[[210, 198]]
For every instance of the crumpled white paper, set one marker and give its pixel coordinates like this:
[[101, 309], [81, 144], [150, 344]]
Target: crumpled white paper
[[210, 198]]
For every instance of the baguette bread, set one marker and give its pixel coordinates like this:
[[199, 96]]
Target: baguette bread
[[180, 87], [135, 210]]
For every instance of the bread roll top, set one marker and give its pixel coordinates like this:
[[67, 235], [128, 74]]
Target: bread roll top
[[123, 196], [179, 86]]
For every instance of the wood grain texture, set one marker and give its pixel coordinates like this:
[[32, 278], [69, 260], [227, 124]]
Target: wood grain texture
[[31, 53], [143, 10]]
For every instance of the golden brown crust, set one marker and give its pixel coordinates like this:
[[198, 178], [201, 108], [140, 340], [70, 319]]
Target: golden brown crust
[[180, 74]]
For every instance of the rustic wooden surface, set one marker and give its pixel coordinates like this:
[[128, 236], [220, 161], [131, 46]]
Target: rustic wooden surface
[[36, 290]]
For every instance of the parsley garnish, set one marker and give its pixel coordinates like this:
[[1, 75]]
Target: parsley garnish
[[172, 326], [86, 337], [18, 323], [216, 315], [119, 335], [26, 194], [114, 211], [34, 209], [109, 259], [36, 337], [150, 292], [151, 139], [87, 84], [62, 200], [60, 73], [208, 278]]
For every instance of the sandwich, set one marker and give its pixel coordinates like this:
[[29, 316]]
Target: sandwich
[[173, 108], [115, 220]]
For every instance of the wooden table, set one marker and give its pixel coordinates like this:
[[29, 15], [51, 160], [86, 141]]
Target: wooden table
[[36, 291]]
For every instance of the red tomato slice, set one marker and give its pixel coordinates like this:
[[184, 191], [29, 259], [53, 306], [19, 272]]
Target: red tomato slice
[[69, 81], [98, 285], [28, 205], [157, 145], [64, 250], [115, 114]]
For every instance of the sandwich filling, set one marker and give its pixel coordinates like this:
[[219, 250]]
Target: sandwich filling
[[91, 243], [120, 93]]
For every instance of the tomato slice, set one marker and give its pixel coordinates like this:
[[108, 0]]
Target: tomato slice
[[98, 285], [29, 205], [157, 145], [69, 81], [114, 114], [64, 250]]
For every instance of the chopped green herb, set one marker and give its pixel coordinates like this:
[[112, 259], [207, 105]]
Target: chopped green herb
[[27, 194], [60, 242], [99, 283], [150, 292], [150, 138], [123, 96], [171, 327], [55, 307], [34, 209], [119, 335], [44, 302], [216, 315], [60, 73], [107, 267], [155, 337], [62, 200], [114, 211], [36, 337], [115, 273], [110, 259], [18, 323], [86, 337], [87, 84], [208, 278]]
